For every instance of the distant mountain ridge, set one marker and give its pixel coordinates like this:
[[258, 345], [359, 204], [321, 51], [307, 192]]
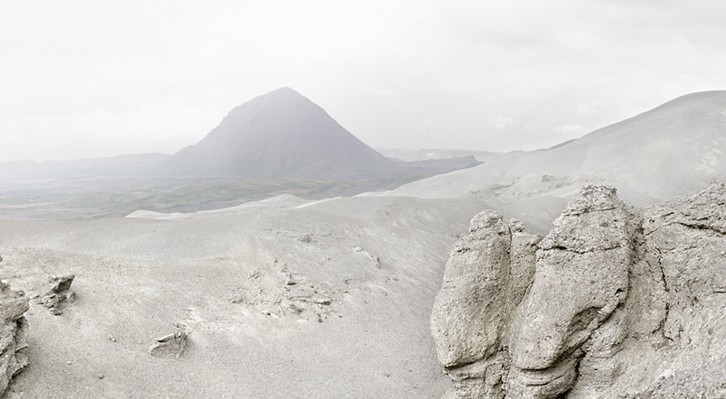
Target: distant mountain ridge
[[280, 135], [415, 155], [674, 149], [278, 143], [126, 166]]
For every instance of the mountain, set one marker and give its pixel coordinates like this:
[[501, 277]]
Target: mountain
[[136, 165], [278, 143], [280, 135], [666, 152]]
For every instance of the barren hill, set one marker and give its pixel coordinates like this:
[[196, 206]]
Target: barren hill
[[280, 134], [669, 151]]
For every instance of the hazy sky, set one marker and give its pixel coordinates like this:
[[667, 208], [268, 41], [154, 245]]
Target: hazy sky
[[98, 78]]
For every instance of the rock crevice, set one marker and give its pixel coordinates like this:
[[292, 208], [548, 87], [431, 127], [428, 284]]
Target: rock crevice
[[590, 310], [13, 331]]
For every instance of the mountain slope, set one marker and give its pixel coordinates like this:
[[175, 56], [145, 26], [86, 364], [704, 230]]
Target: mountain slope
[[285, 299], [280, 135], [669, 151]]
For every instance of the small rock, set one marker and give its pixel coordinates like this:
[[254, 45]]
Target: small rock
[[58, 294], [322, 299], [171, 345], [297, 308], [307, 238]]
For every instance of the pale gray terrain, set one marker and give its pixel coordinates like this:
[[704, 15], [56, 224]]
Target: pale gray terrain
[[277, 143], [285, 299], [328, 296], [670, 151]]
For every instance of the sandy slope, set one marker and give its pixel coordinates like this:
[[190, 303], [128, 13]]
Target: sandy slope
[[670, 151], [225, 274]]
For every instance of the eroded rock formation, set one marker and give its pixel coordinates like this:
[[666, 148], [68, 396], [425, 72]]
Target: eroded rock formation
[[13, 329], [59, 293], [613, 302], [482, 285]]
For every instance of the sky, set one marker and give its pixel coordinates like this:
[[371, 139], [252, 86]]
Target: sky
[[90, 78]]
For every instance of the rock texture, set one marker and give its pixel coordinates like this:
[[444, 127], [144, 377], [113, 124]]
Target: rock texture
[[612, 302], [59, 294], [13, 330], [482, 284], [173, 345]]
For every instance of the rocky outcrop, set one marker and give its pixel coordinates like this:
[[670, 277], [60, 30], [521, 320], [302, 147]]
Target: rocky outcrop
[[482, 284], [282, 293], [13, 330], [59, 294], [613, 302]]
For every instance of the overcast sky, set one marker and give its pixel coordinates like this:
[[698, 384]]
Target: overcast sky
[[98, 78]]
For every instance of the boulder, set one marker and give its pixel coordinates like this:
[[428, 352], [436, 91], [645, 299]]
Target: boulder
[[13, 331], [59, 293], [482, 283], [171, 346], [612, 302]]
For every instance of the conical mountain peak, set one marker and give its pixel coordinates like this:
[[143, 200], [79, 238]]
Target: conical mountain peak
[[281, 134], [283, 94], [284, 91]]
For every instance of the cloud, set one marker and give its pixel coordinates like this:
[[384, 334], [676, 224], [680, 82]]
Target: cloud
[[569, 128], [589, 108], [501, 122], [81, 72]]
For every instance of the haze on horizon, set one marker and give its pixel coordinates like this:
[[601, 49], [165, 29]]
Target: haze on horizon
[[86, 79]]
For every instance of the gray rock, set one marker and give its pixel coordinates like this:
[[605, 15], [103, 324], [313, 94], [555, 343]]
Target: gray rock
[[581, 277], [482, 284], [59, 293], [172, 345], [614, 302], [13, 331]]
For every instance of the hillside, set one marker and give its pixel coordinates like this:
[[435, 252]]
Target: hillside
[[280, 134], [285, 299], [669, 151]]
